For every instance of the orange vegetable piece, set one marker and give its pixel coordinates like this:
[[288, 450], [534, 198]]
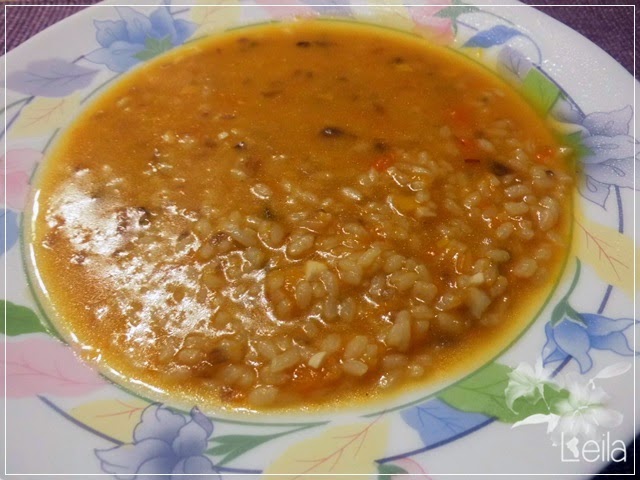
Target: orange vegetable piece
[[544, 155], [468, 145], [461, 117], [384, 161]]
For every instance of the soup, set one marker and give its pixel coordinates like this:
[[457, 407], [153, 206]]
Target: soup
[[300, 215]]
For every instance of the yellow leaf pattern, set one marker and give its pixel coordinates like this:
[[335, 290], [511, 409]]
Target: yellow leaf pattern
[[347, 449], [44, 115], [214, 18], [114, 417], [609, 252]]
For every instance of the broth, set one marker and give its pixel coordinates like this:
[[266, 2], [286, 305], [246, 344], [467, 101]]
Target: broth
[[299, 216]]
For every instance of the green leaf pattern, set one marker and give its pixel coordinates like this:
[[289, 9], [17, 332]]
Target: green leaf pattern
[[387, 470], [229, 447], [19, 320], [154, 47], [456, 9], [541, 92], [485, 392], [232, 446]]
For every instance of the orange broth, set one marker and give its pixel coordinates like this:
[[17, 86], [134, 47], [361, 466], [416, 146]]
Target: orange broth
[[297, 216]]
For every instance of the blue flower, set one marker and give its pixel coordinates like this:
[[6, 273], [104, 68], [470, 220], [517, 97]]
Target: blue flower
[[165, 446], [608, 151], [12, 232], [437, 422], [136, 37], [571, 338]]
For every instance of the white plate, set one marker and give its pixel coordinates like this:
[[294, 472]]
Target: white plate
[[63, 418]]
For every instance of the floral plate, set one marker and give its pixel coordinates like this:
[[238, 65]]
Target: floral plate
[[564, 388]]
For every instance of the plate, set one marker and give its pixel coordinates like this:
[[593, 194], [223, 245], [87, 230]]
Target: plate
[[561, 396]]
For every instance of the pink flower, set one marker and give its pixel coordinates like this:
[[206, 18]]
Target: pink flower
[[37, 366], [17, 167], [414, 470], [437, 29]]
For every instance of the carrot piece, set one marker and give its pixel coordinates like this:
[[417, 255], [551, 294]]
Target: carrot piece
[[384, 161], [544, 155], [461, 116], [462, 122], [468, 145]]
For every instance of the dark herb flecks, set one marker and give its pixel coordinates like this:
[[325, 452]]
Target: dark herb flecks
[[380, 146], [145, 217], [332, 132], [379, 108], [271, 93], [268, 214], [315, 43], [252, 165], [499, 169]]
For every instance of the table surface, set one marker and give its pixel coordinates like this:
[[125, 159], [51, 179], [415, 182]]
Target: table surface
[[609, 24]]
